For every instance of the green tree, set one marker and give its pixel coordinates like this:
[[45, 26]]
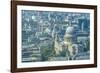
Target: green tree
[[46, 52]]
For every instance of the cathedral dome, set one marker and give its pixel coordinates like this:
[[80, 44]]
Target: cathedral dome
[[70, 30]]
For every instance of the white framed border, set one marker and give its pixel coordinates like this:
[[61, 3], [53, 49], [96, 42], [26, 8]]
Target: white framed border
[[53, 63]]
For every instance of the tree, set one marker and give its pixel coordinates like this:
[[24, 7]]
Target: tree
[[46, 52]]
